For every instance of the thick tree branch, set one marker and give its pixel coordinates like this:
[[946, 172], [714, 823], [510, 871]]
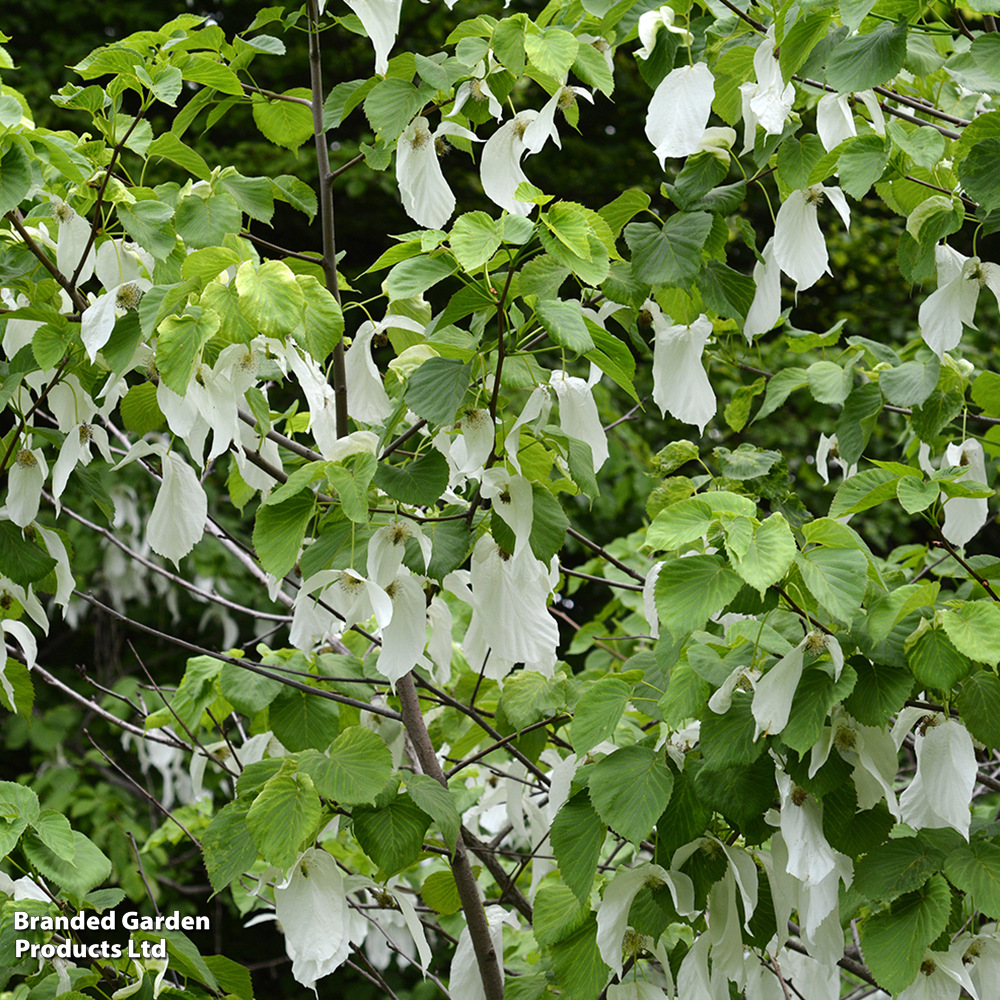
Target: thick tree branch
[[468, 891]]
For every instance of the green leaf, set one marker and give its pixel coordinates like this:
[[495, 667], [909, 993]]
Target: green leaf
[[148, 223], [689, 591], [979, 704], [437, 802], [935, 662], [50, 344], [205, 265], [865, 61], [205, 222], [797, 45], [741, 794], [879, 692], [857, 421], [557, 913], [577, 837], [924, 145], [279, 530], [436, 389], [974, 630], [862, 163], [915, 495], [392, 836], [796, 159], [910, 383], [727, 740], [253, 195], [283, 816], [227, 846], [630, 788], [670, 255], [247, 691], [171, 148], [15, 178], [474, 239], [976, 870], [580, 970], [829, 382], [20, 560], [179, 342], [139, 409], [563, 322], [440, 893], [391, 105], [597, 713], [88, 869], [729, 293], [552, 50], [270, 298], [768, 556], [894, 941], [548, 526], [302, 721], [413, 277], [285, 123], [297, 193], [420, 482], [863, 491], [979, 173], [529, 696], [816, 694], [351, 479], [19, 808], [209, 73], [56, 834], [837, 578], [625, 207], [592, 69], [895, 867], [323, 319]]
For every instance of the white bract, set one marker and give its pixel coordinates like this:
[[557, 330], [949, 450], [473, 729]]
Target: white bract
[[512, 500], [680, 382], [27, 475], [679, 110], [478, 89], [965, 516], [940, 793], [799, 247], [381, 20], [427, 199], [768, 102], [953, 305], [649, 27], [367, 400], [117, 268], [835, 117], [543, 127], [500, 168], [827, 451], [578, 415], [765, 310], [466, 981], [311, 906]]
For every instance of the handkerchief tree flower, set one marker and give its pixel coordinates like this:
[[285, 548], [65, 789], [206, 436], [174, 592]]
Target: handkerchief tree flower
[[458, 593]]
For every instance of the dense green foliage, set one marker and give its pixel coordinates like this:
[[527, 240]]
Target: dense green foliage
[[450, 508]]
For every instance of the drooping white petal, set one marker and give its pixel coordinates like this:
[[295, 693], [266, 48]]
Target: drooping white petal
[[28, 644], [835, 120], [578, 415], [965, 516], [116, 264], [940, 794], [799, 246], [478, 435], [680, 382], [466, 981], [178, 517], [810, 857], [771, 101], [97, 322], [870, 101], [367, 400], [427, 198], [649, 25], [772, 700], [25, 479], [311, 906], [74, 234], [543, 127], [403, 639], [512, 502], [943, 313], [64, 575], [536, 408], [612, 914], [381, 20], [679, 110], [765, 310], [439, 648], [649, 600], [500, 169]]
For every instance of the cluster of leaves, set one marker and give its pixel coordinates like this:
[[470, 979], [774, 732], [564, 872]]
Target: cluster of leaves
[[738, 748]]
